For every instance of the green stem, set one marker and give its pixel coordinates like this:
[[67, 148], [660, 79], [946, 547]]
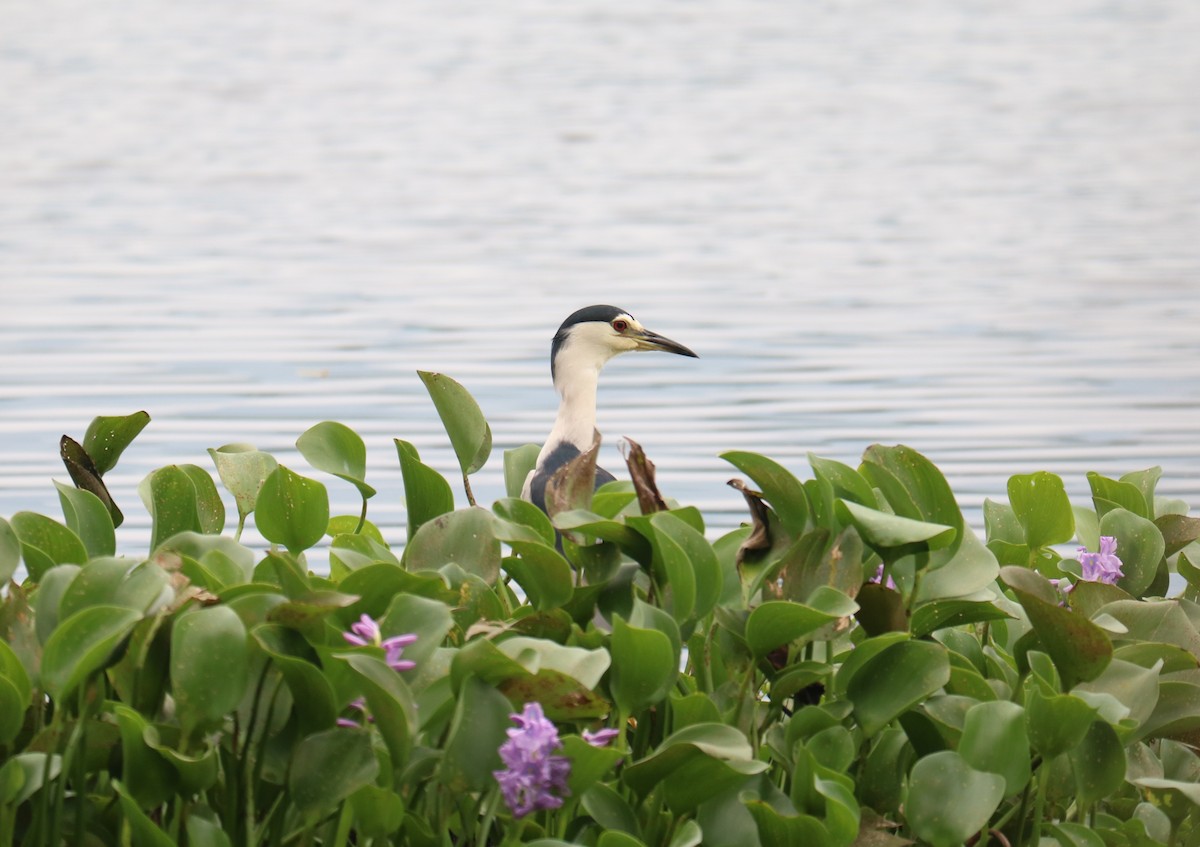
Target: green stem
[[467, 486], [1039, 805], [362, 518], [342, 836], [484, 830]]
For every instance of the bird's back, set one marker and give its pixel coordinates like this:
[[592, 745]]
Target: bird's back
[[555, 459]]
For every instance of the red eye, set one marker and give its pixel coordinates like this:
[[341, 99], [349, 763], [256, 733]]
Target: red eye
[[620, 325]]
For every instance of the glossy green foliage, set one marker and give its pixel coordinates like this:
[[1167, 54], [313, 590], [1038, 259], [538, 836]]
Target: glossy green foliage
[[756, 688]]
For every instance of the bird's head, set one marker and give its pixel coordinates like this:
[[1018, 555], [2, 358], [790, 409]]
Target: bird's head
[[593, 335]]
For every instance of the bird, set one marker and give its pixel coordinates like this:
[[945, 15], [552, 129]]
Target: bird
[[585, 341]]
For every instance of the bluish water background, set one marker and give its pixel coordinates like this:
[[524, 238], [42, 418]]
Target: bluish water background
[[969, 227]]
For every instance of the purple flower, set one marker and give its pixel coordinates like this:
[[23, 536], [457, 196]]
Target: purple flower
[[366, 633], [878, 578], [534, 778], [600, 737], [1103, 566], [359, 705]]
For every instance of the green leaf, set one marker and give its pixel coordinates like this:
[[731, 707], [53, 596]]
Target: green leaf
[[1079, 648], [336, 449], [948, 800], [520, 520], [312, 694], [1057, 722], [995, 739], [672, 538], [888, 533], [12, 711], [518, 463], [148, 778], [1109, 494], [87, 516], [328, 767], [609, 809], [46, 543], [469, 432], [464, 537], [1099, 763], [779, 487], [939, 614], [847, 483], [695, 764], [12, 670], [895, 680], [243, 469], [427, 494], [1175, 798], [209, 664], [644, 667], [390, 703], [292, 510], [1140, 547], [10, 551], [145, 833], [543, 573], [481, 718], [210, 511], [181, 498], [1040, 503], [906, 477], [107, 437], [778, 622], [1178, 531], [588, 764], [83, 644]]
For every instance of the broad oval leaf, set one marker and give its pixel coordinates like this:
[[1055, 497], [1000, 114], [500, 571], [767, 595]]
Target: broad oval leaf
[[995, 739], [464, 537], [886, 532], [948, 800], [108, 436], [243, 470], [328, 767], [896, 679], [778, 485], [469, 432], [337, 449], [427, 495], [779, 622], [1040, 503], [88, 517], [292, 510], [643, 667], [46, 543], [83, 644], [209, 664], [1140, 547]]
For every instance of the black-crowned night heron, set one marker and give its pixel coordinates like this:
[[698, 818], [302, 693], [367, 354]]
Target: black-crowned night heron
[[584, 342]]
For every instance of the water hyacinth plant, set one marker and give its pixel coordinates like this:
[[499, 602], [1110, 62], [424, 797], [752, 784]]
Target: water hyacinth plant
[[853, 665]]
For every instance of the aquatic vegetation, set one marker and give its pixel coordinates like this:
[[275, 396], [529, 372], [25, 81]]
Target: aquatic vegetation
[[854, 665]]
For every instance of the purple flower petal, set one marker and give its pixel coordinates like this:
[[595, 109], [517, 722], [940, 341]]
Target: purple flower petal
[[534, 778], [601, 737]]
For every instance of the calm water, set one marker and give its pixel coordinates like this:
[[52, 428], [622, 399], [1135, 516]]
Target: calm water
[[969, 227]]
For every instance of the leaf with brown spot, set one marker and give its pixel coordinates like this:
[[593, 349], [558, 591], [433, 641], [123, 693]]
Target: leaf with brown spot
[[759, 539]]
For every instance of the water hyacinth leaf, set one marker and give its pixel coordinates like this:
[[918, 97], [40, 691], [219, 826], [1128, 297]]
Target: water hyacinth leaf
[[174, 504], [95, 585], [210, 511], [847, 483], [208, 665], [520, 520], [378, 813], [589, 764], [896, 679], [427, 618], [698, 552], [464, 537], [643, 667], [87, 516], [46, 543], [231, 561], [1175, 798], [1177, 713], [12, 711], [336, 449], [85, 475], [10, 551], [1133, 687], [618, 839], [145, 833], [939, 614], [148, 778], [14, 671], [1099, 763], [1178, 531], [518, 463], [1074, 835], [862, 655], [536, 654], [1109, 494], [1057, 722], [1140, 547], [108, 436], [888, 533], [778, 486], [328, 767], [469, 432], [543, 573], [1001, 523], [292, 510], [995, 739], [778, 622], [82, 645], [312, 694], [608, 808], [1040, 503], [479, 727], [390, 703], [948, 800], [243, 469], [426, 492], [1080, 649], [695, 764], [905, 476], [53, 584], [303, 610], [22, 776]]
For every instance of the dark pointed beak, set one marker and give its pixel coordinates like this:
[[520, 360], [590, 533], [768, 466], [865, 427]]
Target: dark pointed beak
[[648, 340]]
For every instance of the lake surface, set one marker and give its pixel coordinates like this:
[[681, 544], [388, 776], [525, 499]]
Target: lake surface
[[972, 228]]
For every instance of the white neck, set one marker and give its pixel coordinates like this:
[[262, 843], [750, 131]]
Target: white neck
[[576, 378]]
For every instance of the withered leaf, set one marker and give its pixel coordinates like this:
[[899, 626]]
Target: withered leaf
[[641, 473]]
